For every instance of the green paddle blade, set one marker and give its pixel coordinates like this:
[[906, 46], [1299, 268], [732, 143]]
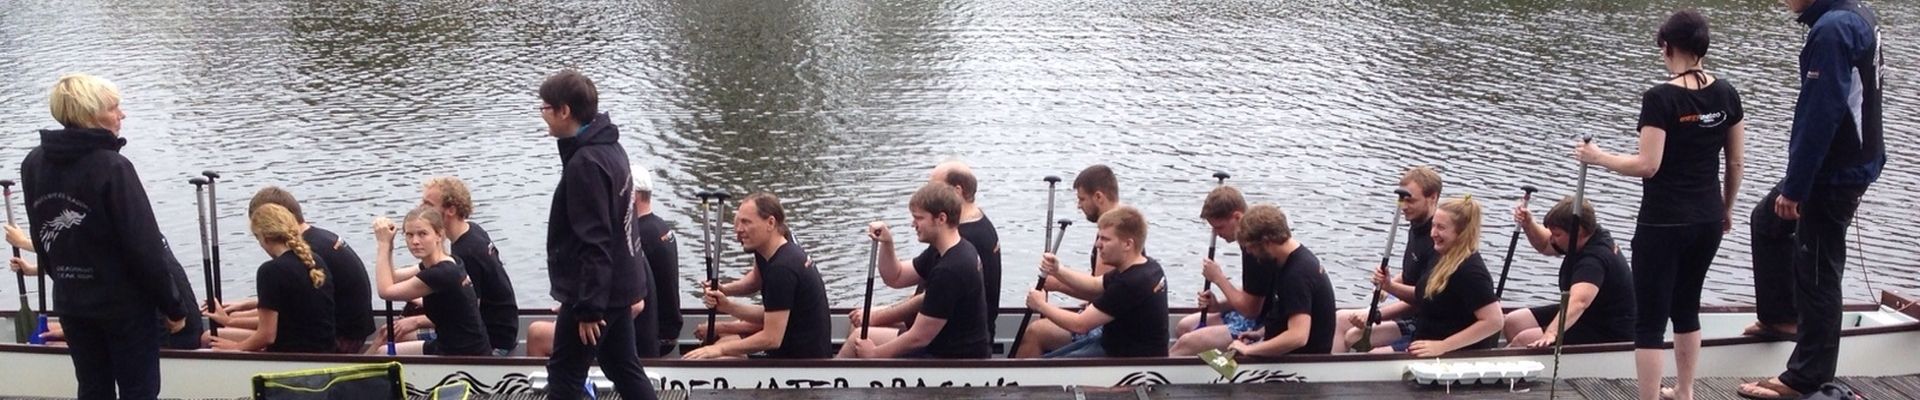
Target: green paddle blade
[[23, 322], [1222, 363]]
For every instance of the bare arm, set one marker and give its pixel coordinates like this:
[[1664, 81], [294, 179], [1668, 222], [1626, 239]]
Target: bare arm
[[922, 333], [899, 312], [1081, 322], [1537, 234], [265, 336], [1653, 142], [770, 336], [1487, 321], [1298, 325], [746, 285], [1578, 300], [891, 271], [1736, 169]]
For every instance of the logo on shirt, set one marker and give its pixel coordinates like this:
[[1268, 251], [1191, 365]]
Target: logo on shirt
[[1705, 120], [1813, 75]]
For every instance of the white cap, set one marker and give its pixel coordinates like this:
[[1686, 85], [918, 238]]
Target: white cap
[[642, 180]]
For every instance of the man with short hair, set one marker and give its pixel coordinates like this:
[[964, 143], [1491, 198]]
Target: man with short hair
[[793, 320], [950, 315], [654, 240], [589, 262], [1129, 302], [473, 249], [1298, 316], [1096, 190], [1241, 311], [977, 229], [1396, 325]]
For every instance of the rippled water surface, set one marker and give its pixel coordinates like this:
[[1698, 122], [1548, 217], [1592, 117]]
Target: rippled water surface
[[840, 107]]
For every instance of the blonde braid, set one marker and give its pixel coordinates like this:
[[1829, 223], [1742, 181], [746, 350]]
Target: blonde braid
[[272, 223]]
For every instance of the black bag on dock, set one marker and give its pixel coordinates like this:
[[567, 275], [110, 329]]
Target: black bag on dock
[[368, 381]]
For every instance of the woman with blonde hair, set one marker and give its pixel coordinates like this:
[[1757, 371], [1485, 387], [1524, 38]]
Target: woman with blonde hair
[[1454, 305], [438, 281], [296, 298], [109, 269]]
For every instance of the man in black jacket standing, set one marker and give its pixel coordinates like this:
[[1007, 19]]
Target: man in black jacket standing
[[589, 261]]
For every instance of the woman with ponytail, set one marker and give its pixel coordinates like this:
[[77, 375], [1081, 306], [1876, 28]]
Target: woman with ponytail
[[296, 298], [441, 283], [1454, 305]]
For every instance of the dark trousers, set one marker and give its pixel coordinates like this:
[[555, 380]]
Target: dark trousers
[[646, 331], [114, 352], [1772, 264], [1669, 268], [567, 368], [1820, 255]]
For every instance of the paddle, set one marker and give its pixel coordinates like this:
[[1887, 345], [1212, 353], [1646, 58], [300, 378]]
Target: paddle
[[1046, 244], [1373, 309], [206, 260], [213, 204], [706, 239], [1213, 243], [1513, 241], [22, 327], [866, 310], [1573, 247]]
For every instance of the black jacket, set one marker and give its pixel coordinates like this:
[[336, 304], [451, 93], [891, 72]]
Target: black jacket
[[589, 260], [94, 230]]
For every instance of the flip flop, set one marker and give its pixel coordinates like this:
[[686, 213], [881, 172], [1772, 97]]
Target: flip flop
[[1770, 389], [1666, 393]]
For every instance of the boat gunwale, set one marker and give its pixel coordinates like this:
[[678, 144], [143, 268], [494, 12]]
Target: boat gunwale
[[1896, 302]]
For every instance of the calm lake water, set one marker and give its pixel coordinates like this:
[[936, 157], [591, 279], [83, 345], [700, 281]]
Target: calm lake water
[[840, 107]]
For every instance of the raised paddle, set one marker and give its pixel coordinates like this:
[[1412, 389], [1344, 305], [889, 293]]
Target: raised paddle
[[1373, 309], [1574, 244], [1046, 244], [866, 310], [1026, 320], [206, 260], [1213, 243], [706, 251], [213, 209], [1513, 241], [22, 327]]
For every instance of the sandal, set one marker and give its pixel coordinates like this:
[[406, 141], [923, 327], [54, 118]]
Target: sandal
[[1770, 389], [1667, 393]]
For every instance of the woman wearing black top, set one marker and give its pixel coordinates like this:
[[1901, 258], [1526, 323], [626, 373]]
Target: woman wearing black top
[[296, 300], [1686, 124], [1454, 305], [439, 282]]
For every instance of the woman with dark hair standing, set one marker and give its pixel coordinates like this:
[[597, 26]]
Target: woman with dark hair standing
[[98, 241], [1686, 124]]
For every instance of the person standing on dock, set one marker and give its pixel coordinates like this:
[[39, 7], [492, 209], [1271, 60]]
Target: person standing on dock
[[950, 315], [589, 261], [99, 242], [473, 248], [793, 320], [1129, 303], [1396, 325], [1835, 153]]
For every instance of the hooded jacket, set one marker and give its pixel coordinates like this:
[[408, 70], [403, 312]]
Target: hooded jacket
[[1836, 121], [93, 229], [589, 260]]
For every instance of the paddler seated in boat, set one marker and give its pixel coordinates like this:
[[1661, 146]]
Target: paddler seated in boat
[[1096, 190], [1239, 314], [352, 289], [793, 319], [950, 317], [1298, 317], [1423, 186], [1600, 306], [438, 281], [190, 337], [1454, 305], [1129, 303], [296, 297]]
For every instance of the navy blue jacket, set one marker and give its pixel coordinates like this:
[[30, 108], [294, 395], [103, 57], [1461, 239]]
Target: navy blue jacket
[[94, 230], [1836, 121]]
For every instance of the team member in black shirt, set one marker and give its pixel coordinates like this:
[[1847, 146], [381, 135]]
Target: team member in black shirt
[[1686, 124], [1096, 191], [1455, 306], [1395, 329], [653, 239], [1299, 313], [352, 290], [1129, 304], [473, 248], [1240, 313], [296, 298], [793, 321], [1600, 306], [438, 280], [977, 229], [951, 314]]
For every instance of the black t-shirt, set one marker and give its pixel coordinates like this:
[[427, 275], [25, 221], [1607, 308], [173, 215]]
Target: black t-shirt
[[454, 309], [1137, 299], [1451, 311], [986, 241], [352, 291], [789, 282], [1257, 277], [498, 309], [1611, 315], [1420, 255], [953, 294], [1302, 288], [1686, 189], [662, 254], [306, 312]]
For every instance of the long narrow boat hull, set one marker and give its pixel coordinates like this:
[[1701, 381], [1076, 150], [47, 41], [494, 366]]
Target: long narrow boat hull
[[1874, 344]]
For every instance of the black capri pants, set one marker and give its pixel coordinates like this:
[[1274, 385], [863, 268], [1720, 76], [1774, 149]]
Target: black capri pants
[[1669, 268]]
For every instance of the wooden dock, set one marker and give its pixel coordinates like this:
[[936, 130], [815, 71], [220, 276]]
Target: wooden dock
[[1891, 387]]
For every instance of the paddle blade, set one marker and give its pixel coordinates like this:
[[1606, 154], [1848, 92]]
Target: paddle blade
[[1222, 363], [23, 323]]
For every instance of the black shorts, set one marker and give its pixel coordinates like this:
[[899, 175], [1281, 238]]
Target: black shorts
[[1583, 332]]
